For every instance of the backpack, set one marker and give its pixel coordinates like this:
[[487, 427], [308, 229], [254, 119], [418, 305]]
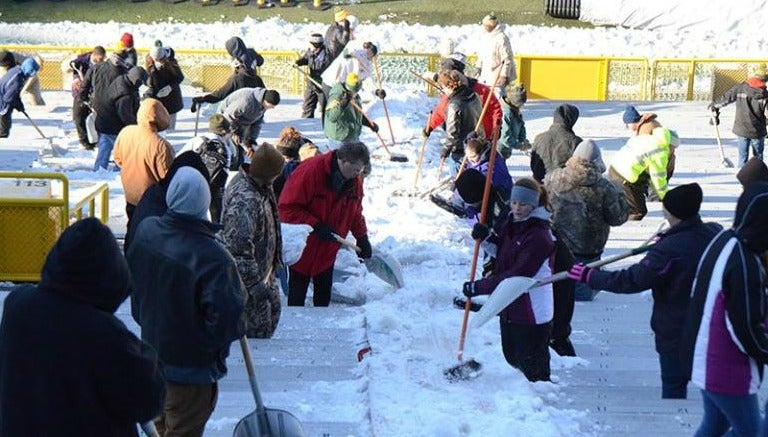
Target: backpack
[[214, 155]]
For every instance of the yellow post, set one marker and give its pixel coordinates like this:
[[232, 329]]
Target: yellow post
[[317, 3]]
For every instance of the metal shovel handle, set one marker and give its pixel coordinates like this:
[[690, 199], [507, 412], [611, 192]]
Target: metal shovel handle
[[561, 276]]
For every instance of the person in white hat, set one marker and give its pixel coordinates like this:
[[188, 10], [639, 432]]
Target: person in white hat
[[496, 53]]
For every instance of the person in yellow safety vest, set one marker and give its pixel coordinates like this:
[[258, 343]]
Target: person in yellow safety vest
[[647, 159]]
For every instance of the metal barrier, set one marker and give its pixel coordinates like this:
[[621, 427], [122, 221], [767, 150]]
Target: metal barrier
[[549, 77], [33, 214]]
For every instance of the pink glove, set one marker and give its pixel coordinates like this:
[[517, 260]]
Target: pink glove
[[580, 273]]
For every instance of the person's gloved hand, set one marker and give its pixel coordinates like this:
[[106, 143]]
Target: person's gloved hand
[[196, 101], [469, 289], [374, 127], [344, 99], [20, 106], [380, 93], [365, 247], [324, 232], [426, 132], [445, 152], [580, 273], [472, 135], [715, 114], [480, 231]]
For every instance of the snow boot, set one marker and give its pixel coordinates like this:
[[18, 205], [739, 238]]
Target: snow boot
[[563, 347], [448, 206]]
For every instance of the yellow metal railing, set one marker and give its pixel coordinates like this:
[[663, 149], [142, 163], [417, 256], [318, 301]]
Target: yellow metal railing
[[32, 217], [545, 77]]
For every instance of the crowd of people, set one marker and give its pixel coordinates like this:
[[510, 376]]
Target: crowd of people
[[225, 195]]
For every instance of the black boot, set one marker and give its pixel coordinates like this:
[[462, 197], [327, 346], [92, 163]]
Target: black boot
[[448, 206], [562, 347]]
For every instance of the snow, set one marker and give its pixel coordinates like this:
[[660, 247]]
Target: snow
[[414, 331]]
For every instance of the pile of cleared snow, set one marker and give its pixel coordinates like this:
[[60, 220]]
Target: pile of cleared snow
[[740, 42]]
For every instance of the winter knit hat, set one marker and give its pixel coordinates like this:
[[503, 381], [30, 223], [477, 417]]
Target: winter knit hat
[[189, 194], [189, 159], [352, 81], [126, 40], [266, 163], [683, 201], [158, 53], [29, 67], [6, 59], [630, 115], [158, 43], [272, 96], [754, 170], [588, 150], [490, 20], [218, 124], [339, 14], [316, 39]]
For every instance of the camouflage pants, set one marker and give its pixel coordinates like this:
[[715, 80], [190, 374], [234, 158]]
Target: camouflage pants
[[262, 313]]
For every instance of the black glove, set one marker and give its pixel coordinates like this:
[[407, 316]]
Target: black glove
[[344, 99], [196, 101], [324, 232], [20, 106], [374, 127], [469, 289], [480, 231], [715, 114], [365, 247], [445, 152], [426, 132], [380, 93]]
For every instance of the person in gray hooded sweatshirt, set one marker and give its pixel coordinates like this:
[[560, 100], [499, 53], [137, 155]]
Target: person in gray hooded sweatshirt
[[244, 109], [188, 299]]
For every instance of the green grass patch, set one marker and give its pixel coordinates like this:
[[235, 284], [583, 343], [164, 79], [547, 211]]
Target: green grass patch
[[429, 12]]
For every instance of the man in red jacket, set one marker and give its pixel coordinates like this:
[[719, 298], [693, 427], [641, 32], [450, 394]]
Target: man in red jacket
[[325, 192]]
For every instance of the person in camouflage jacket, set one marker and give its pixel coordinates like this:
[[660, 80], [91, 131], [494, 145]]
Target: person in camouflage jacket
[[252, 235]]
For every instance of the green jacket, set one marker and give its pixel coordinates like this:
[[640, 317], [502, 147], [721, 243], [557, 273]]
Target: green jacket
[[342, 124]]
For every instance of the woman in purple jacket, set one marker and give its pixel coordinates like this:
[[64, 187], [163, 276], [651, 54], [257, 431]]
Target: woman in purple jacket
[[525, 248]]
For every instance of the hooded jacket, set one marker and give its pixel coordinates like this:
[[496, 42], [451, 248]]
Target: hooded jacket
[[551, 149], [585, 206], [169, 75], [496, 52], [342, 124], [68, 366], [122, 102], [751, 100], [245, 112], [492, 117], [461, 116], [143, 156], [309, 197], [97, 81], [10, 89], [242, 77], [724, 344]]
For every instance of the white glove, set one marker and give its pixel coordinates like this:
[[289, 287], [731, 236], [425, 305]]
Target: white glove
[[164, 91]]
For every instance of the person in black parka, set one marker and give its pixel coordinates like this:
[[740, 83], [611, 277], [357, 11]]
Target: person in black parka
[[551, 149], [68, 366], [243, 77]]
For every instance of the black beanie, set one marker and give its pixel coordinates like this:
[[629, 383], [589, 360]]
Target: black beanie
[[683, 201], [187, 159], [470, 184], [754, 170], [272, 96], [6, 59]]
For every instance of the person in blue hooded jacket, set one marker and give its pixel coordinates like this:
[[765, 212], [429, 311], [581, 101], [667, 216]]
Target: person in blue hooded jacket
[[11, 86], [68, 366]]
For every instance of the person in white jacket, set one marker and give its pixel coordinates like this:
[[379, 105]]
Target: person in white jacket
[[496, 52]]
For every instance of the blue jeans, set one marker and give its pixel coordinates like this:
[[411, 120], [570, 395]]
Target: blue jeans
[[744, 144], [106, 144], [729, 415], [673, 381]]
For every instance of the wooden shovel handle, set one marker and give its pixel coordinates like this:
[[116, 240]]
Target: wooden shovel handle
[[347, 243]]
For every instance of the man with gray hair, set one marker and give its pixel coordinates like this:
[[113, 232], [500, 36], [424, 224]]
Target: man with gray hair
[[189, 306]]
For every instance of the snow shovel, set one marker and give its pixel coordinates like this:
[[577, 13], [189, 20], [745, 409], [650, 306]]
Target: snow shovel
[[42, 135], [716, 123], [383, 101], [392, 157], [264, 422], [149, 429], [197, 120], [381, 264], [513, 287]]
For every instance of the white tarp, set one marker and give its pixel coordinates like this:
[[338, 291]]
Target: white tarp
[[746, 16]]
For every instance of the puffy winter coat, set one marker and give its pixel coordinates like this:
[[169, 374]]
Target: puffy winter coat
[[513, 132], [68, 366], [169, 75], [10, 90], [724, 344], [751, 100], [461, 116], [309, 197], [143, 156], [336, 38], [495, 52], [668, 269], [526, 249], [585, 206], [97, 81], [318, 61], [188, 297], [245, 112], [342, 124], [551, 149], [647, 154], [493, 114], [121, 104]]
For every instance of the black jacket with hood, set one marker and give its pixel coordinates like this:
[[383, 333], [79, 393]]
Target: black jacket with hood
[[68, 366], [751, 100], [243, 76], [123, 102], [551, 149]]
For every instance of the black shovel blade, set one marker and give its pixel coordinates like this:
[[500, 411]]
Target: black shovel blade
[[281, 424], [465, 371], [398, 158]]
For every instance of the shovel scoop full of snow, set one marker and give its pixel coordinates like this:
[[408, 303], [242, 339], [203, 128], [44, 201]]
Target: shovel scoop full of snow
[[505, 293]]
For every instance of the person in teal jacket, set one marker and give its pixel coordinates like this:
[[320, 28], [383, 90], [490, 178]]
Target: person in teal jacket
[[343, 123]]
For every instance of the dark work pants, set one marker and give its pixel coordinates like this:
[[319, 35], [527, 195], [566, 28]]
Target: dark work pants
[[217, 196], [673, 381], [526, 347], [298, 284], [5, 124], [79, 114], [634, 192], [563, 294], [312, 97], [187, 409]]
